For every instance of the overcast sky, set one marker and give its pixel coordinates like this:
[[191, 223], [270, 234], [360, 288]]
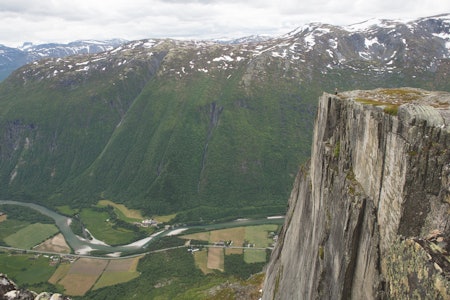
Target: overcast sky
[[41, 21]]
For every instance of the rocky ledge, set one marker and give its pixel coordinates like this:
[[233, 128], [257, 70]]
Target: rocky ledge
[[10, 291], [368, 218]]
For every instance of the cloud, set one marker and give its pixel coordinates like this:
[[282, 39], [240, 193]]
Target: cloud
[[68, 20]]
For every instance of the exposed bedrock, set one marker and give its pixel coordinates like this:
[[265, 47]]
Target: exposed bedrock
[[368, 217]]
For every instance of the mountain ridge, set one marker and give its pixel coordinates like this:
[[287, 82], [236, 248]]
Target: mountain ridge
[[440, 23], [212, 129], [12, 58]]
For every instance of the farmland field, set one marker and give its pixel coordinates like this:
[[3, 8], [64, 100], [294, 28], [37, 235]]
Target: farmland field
[[31, 235], [165, 218], [232, 234], [254, 256], [112, 278], [120, 265], [96, 222], [130, 215], [26, 269], [3, 218], [215, 259], [77, 284], [88, 266], [11, 226], [201, 261], [60, 272], [91, 273], [259, 235], [82, 275], [200, 236], [54, 244]]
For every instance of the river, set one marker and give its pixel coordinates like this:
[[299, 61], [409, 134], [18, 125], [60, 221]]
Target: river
[[84, 246]]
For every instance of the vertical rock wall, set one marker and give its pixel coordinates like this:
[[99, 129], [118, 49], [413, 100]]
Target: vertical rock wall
[[369, 217]]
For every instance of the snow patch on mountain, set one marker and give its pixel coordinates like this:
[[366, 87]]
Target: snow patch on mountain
[[223, 58], [445, 36], [370, 42], [372, 46], [363, 26]]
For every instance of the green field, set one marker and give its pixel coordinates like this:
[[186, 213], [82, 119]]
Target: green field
[[259, 236], [176, 269], [59, 273], [30, 236], [165, 218], [255, 256], [67, 210], [11, 226], [112, 278], [122, 212], [97, 224], [165, 275], [26, 269]]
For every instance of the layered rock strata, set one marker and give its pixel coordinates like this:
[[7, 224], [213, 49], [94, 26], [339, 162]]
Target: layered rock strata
[[368, 218]]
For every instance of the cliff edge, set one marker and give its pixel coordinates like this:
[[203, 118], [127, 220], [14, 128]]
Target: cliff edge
[[369, 217]]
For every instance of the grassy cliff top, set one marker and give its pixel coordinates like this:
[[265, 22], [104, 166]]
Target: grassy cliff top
[[399, 96], [410, 104]]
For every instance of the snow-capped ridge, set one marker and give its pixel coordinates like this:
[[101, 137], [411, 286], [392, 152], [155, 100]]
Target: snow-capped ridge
[[375, 45], [256, 38], [13, 58]]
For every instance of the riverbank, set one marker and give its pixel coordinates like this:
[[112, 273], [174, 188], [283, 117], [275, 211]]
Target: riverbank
[[85, 247]]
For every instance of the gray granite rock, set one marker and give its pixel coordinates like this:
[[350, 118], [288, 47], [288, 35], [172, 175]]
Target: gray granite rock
[[361, 213]]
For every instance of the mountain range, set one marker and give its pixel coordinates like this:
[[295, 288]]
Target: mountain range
[[207, 129], [13, 58]]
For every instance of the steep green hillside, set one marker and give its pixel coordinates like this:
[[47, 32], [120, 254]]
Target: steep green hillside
[[54, 128], [202, 142], [205, 130], [160, 142]]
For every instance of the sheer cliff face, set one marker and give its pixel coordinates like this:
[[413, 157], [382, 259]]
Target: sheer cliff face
[[369, 218]]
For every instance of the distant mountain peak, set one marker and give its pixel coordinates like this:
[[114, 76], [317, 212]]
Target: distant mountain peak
[[380, 45], [13, 58], [26, 45], [255, 38]]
